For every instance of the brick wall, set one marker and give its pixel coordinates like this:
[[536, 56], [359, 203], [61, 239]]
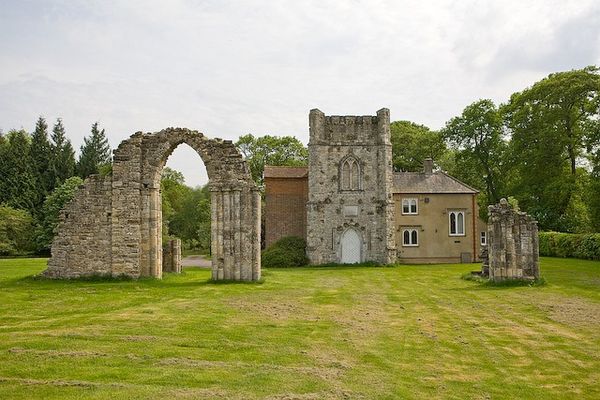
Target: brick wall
[[285, 208]]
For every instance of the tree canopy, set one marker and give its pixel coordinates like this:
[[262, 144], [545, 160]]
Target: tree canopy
[[271, 150], [477, 138], [412, 143]]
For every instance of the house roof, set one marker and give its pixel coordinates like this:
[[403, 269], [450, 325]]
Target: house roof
[[285, 172], [436, 182]]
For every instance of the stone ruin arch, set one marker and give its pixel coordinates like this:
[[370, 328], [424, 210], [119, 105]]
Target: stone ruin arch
[[113, 225]]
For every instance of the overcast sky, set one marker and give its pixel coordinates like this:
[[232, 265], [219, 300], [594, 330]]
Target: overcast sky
[[228, 68]]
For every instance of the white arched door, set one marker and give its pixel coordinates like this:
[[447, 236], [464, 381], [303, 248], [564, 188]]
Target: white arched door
[[351, 246]]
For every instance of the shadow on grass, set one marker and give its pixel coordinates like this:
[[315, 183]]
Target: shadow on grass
[[333, 266], [484, 283], [172, 280]]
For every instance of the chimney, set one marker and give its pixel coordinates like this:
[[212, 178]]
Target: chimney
[[428, 166]]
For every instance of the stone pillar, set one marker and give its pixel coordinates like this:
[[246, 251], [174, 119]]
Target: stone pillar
[[235, 233], [512, 244], [171, 256]]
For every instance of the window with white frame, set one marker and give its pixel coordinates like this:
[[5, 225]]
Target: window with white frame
[[410, 237], [350, 174], [483, 238], [410, 206], [457, 223]]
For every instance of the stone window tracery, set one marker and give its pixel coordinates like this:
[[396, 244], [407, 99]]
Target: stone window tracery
[[350, 174]]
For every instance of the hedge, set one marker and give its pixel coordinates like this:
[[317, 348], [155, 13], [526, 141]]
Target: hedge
[[289, 251], [571, 245]]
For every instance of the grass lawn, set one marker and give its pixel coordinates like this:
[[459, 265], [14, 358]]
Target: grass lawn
[[308, 333]]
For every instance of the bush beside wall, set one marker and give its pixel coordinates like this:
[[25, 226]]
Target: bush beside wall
[[289, 251], [572, 245]]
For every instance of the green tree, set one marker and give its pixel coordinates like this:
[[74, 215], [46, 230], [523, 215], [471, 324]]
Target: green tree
[[41, 156], [19, 185], [186, 211], [271, 150], [53, 204], [593, 190], [477, 138], [62, 163], [203, 209], [95, 152], [412, 143], [550, 125], [16, 227]]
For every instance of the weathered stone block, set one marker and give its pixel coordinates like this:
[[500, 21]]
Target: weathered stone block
[[513, 249]]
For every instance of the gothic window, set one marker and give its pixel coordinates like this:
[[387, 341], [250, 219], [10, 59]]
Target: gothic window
[[409, 206], [457, 223], [350, 174], [410, 237]]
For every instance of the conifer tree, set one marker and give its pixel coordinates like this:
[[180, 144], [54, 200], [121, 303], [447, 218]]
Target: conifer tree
[[62, 162], [41, 156], [95, 152], [18, 189]]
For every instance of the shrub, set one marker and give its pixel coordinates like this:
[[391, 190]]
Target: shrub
[[15, 232], [572, 245], [289, 251]]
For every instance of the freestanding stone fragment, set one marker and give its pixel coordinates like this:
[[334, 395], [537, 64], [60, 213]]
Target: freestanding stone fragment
[[172, 256], [113, 225], [513, 246]]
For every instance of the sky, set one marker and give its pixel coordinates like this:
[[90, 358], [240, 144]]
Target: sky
[[228, 68]]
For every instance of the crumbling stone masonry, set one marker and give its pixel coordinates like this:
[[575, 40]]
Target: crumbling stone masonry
[[113, 224], [350, 207], [513, 246], [171, 256]]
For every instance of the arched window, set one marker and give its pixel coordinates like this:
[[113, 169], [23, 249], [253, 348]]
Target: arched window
[[457, 223], [410, 237], [409, 206], [350, 174]]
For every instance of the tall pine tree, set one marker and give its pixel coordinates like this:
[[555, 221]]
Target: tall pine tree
[[41, 156], [95, 152], [19, 188], [62, 163]]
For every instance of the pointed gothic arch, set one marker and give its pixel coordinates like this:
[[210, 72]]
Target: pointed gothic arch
[[350, 173]]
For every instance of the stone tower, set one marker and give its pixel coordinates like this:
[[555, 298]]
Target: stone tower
[[350, 208]]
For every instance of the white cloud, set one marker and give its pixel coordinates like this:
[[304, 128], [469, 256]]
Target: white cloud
[[230, 68]]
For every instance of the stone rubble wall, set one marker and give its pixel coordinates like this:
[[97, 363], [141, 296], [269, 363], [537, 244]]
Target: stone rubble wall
[[367, 138], [129, 206], [82, 246], [513, 244]]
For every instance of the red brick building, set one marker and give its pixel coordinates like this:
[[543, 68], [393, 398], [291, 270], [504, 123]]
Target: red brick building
[[286, 195]]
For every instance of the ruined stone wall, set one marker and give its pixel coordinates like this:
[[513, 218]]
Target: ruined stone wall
[[368, 208], [128, 206], [513, 246], [82, 246]]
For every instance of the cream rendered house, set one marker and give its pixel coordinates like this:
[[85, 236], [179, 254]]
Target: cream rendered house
[[436, 218]]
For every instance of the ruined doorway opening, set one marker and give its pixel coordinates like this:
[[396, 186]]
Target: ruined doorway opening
[[185, 211]]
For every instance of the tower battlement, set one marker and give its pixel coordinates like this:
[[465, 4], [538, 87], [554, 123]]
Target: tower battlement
[[349, 129]]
